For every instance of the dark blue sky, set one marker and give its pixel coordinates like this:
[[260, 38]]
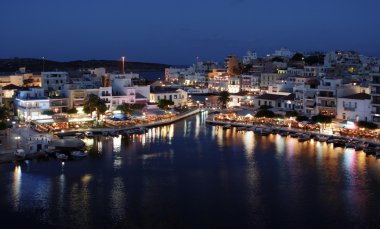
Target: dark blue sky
[[176, 31]]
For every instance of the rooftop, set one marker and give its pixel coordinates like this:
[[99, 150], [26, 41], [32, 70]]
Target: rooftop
[[269, 96], [358, 96]]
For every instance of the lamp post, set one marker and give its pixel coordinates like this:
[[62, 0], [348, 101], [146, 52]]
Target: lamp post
[[17, 139], [122, 63]]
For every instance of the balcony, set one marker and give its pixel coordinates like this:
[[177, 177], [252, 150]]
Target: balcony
[[375, 92], [349, 108], [326, 95], [326, 105], [63, 104]]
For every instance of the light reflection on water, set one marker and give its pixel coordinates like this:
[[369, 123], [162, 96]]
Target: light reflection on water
[[197, 174]]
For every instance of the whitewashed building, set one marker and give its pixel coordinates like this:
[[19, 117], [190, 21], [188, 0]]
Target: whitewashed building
[[178, 96], [356, 107], [31, 103]]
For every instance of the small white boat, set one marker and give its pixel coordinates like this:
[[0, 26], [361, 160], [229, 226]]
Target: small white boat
[[350, 144], [20, 153], [304, 137], [284, 133], [79, 135], [226, 127], [105, 133], [323, 138], [241, 128], [377, 149], [61, 156], [113, 134], [89, 134], [78, 154]]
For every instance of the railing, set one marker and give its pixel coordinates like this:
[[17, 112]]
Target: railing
[[349, 108], [326, 105]]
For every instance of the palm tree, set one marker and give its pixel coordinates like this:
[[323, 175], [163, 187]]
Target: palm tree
[[224, 98]]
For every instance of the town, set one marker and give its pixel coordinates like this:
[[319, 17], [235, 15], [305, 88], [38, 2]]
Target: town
[[340, 89]]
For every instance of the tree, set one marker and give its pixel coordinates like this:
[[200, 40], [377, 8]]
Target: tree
[[128, 108], [265, 113], [322, 119], [3, 125], [265, 107], [125, 108], [3, 113], [367, 125], [297, 57], [291, 114], [277, 59], [94, 103], [47, 112], [72, 111], [224, 98], [317, 59], [165, 104], [302, 118]]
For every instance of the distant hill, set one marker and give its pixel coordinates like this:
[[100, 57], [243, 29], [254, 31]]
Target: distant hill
[[35, 65]]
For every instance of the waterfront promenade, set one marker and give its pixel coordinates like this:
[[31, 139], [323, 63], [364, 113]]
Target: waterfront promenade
[[23, 138], [210, 120]]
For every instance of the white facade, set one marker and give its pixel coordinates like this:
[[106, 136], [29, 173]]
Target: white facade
[[354, 108], [54, 82], [234, 85], [283, 52], [179, 96], [249, 57], [30, 104], [250, 83]]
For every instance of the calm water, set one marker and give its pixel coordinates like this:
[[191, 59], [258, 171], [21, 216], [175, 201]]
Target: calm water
[[191, 175]]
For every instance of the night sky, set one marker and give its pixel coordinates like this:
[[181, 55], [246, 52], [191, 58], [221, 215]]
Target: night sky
[[176, 31]]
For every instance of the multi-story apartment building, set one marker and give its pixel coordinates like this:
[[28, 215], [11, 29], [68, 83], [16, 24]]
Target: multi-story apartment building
[[375, 97], [53, 82], [356, 107], [234, 85], [267, 79], [30, 104], [250, 83], [178, 96]]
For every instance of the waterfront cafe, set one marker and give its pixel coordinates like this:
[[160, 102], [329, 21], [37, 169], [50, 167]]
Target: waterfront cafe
[[146, 117], [58, 124]]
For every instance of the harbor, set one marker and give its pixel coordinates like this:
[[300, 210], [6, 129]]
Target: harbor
[[32, 145]]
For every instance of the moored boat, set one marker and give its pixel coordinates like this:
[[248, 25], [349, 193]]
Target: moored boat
[[226, 127], [61, 156], [377, 149], [113, 134], [241, 128], [78, 154], [339, 143], [322, 138], [89, 134], [284, 133], [20, 153], [105, 133], [294, 135], [303, 137]]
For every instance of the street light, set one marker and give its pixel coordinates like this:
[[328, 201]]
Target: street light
[[17, 139]]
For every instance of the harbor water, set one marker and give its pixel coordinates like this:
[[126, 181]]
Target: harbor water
[[193, 175]]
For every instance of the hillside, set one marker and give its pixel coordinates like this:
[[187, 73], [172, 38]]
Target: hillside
[[35, 65]]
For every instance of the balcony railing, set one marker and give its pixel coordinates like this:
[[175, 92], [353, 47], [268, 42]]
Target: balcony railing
[[326, 105], [349, 108]]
